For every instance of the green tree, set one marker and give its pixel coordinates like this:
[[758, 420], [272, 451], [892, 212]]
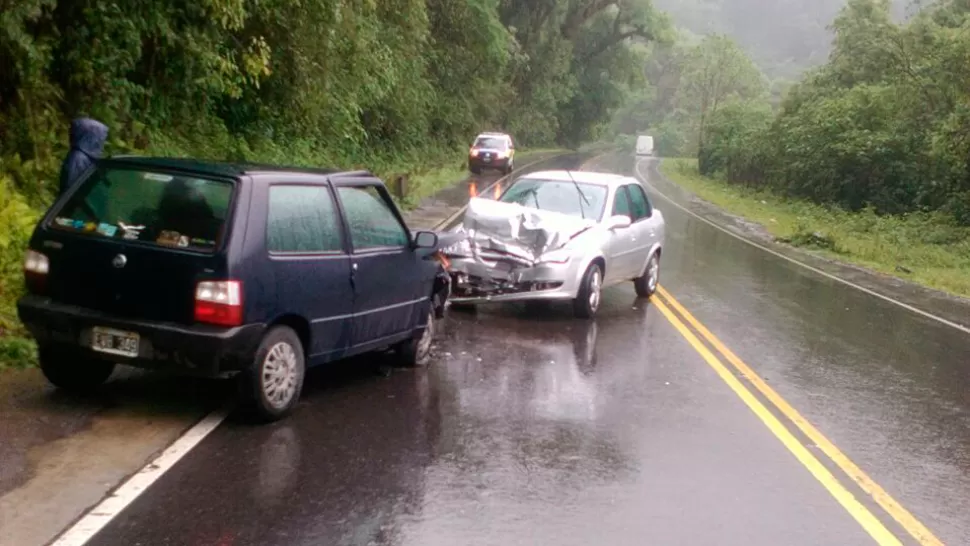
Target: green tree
[[715, 72]]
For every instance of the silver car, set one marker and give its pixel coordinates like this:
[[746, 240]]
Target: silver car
[[557, 235]]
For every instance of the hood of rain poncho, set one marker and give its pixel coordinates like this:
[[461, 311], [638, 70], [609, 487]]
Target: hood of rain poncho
[[88, 137]]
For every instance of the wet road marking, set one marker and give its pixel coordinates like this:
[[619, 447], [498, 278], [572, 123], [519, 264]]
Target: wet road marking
[[856, 509], [825, 274], [98, 517], [902, 516]]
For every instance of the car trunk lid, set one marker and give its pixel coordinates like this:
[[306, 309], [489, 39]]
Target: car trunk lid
[[134, 244]]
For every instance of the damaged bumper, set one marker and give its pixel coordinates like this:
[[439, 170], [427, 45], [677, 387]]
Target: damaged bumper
[[475, 281], [511, 253]]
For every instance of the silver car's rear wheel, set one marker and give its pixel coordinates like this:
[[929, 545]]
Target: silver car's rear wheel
[[646, 285]]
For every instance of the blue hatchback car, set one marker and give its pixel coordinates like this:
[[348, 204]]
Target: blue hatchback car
[[220, 269]]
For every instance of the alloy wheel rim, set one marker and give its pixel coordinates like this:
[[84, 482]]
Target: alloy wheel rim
[[279, 375], [654, 274], [595, 285]]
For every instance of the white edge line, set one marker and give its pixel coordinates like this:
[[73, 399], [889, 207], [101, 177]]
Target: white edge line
[[826, 274], [99, 516]]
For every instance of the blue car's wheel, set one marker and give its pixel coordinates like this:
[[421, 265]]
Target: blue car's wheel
[[417, 351], [271, 387]]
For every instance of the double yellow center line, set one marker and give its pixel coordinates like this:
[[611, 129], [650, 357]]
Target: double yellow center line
[[679, 317]]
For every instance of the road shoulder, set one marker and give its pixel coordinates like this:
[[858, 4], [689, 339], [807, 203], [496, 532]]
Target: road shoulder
[[933, 305]]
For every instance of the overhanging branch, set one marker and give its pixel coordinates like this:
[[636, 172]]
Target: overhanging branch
[[578, 17], [618, 37]]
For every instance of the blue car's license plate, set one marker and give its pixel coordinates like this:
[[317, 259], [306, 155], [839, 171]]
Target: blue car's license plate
[[115, 342]]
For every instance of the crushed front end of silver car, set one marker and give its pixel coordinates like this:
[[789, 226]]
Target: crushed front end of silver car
[[512, 252]]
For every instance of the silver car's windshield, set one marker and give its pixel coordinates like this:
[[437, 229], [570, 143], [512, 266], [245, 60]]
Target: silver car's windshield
[[563, 196]]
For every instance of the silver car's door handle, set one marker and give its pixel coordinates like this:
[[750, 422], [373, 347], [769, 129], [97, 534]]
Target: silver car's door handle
[[354, 267]]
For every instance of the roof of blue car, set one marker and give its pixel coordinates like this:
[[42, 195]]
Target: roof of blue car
[[222, 168]]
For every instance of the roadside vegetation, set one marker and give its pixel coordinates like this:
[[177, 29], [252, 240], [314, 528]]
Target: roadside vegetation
[[398, 86], [930, 248], [865, 158]]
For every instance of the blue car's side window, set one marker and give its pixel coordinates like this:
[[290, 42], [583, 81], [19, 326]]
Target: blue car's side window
[[302, 219], [372, 223]]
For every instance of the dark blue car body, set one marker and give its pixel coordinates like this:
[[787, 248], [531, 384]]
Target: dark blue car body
[[340, 303]]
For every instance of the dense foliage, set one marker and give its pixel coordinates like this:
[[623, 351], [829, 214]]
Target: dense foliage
[[884, 124], [386, 84], [321, 81], [690, 83]]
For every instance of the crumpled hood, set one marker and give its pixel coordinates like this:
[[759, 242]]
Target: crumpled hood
[[89, 136], [449, 238], [524, 232]]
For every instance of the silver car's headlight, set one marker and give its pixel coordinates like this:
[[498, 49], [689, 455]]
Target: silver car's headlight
[[461, 248], [559, 256]]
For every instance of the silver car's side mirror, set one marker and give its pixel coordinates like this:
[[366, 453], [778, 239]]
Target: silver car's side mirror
[[619, 221]]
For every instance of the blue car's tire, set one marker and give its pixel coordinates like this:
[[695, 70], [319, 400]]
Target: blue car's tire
[[271, 388]]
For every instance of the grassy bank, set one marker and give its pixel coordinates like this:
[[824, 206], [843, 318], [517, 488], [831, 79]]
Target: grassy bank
[[930, 249]]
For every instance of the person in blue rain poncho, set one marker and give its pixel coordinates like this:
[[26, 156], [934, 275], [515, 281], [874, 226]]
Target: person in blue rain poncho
[[88, 137]]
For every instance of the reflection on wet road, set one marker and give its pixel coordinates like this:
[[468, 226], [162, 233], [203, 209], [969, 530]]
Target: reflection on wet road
[[533, 428], [527, 429]]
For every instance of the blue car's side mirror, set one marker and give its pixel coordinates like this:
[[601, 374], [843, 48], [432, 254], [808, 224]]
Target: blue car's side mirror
[[425, 239]]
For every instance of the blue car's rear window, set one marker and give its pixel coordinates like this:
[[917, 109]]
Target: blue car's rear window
[[159, 208]]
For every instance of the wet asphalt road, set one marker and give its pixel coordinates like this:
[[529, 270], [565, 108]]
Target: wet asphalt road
[[61, 453], [531, 427]]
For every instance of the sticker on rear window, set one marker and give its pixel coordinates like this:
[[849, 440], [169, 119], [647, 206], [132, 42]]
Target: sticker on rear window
[[158, 177], [168, 238], [107, 230], [197, 241], [130, 232], [64, 222]]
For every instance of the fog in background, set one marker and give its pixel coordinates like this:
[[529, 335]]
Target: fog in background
[[784, 37]]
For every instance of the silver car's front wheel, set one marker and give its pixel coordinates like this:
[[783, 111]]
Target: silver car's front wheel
[[590, 294]]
